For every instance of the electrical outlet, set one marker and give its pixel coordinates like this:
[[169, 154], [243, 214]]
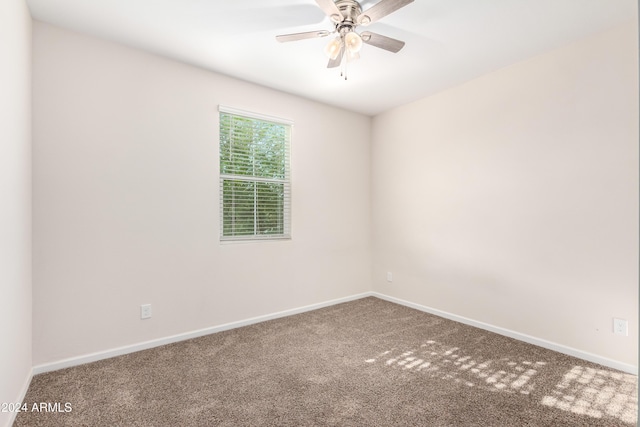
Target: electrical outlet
[[620, 327], [389, 276], [145, 311]]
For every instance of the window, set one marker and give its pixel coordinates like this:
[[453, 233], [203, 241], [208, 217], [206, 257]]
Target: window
[[254, 176]]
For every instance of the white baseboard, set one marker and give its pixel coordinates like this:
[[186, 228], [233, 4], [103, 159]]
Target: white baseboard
[[21, 396], [119, 351], [92, 357], [625, 367]]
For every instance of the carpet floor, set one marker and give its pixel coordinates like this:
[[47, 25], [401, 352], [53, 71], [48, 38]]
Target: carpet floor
[[362, 363]]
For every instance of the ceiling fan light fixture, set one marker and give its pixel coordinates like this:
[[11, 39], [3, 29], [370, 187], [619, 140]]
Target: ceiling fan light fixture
[[353, 42], [332, 49]]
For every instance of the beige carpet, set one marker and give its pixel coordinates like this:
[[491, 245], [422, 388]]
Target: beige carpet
[[362, 363]]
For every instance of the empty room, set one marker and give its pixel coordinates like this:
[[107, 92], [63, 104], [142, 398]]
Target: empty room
[[319, 213]]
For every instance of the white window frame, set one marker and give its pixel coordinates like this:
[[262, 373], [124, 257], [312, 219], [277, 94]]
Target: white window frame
[[286, 181]]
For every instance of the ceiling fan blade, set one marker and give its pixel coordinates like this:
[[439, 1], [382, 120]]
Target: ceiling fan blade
[[380, 10], [330, 8], [301, 36], [333, 63], [383, 42]]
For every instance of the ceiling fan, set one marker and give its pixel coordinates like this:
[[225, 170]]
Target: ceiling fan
[[346, 16]]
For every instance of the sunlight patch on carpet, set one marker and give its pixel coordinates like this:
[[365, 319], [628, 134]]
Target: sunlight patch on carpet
[[450, 363], [596, 392]]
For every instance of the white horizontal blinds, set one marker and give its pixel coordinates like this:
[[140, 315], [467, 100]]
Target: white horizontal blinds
[[255, 195]]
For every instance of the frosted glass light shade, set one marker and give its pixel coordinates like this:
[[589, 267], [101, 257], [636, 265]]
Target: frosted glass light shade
[[332, 49], [353, 42]]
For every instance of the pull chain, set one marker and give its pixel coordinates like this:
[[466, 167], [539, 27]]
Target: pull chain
[[343, 72]]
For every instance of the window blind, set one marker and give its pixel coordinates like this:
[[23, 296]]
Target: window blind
[[255, 190]]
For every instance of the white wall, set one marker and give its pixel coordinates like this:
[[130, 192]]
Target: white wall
[[126, 204], [15, 201], [513, 199]]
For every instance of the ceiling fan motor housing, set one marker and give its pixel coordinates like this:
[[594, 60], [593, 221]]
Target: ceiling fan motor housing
[[350, 10]]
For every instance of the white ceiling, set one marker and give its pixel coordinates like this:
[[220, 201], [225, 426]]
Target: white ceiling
[[448, 42]]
